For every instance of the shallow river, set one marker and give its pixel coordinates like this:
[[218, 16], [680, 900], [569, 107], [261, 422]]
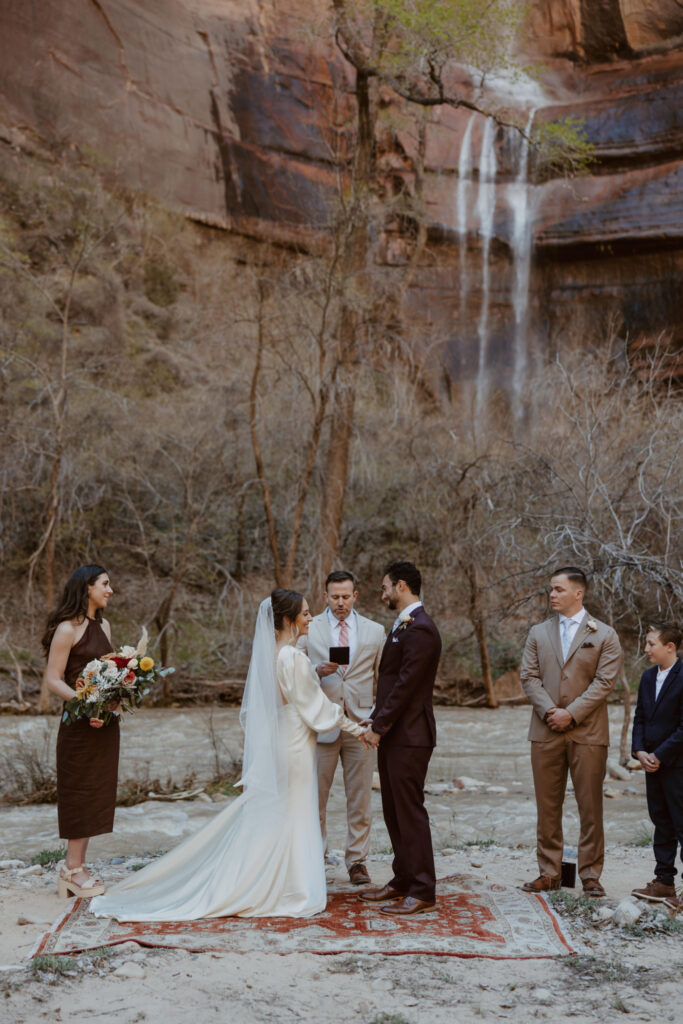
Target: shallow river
[[487, 746]]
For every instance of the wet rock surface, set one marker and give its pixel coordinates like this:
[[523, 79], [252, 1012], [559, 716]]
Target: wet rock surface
[[241, 140]]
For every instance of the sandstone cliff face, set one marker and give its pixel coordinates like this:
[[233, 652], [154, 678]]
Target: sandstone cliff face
[[602, 29], [203, 103], [225, 109]]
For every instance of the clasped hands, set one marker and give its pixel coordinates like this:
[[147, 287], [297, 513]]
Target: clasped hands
[[559, 719], [370, 739], [650, 762]]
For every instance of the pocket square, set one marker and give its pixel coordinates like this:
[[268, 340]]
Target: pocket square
[[588, 644], [394, 639]]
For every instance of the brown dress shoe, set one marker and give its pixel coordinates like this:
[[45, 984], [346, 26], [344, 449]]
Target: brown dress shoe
[[382, 895], [544, 883], [655, 891], [358, 874], [409, 905], [592, 888]]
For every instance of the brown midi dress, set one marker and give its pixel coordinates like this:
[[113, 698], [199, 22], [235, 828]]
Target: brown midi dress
[[87, 758]]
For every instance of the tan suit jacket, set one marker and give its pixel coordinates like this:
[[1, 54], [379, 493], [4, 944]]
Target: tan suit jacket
[[354, 691], [581, 684]]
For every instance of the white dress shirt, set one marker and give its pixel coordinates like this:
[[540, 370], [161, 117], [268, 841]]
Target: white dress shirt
[[335, 626], [662, 673], [574, 623], [406, 611]]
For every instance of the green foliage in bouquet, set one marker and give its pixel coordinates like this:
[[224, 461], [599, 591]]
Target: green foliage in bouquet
[[114, 683]]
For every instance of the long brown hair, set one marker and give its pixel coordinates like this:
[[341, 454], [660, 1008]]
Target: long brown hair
[[73, 603]]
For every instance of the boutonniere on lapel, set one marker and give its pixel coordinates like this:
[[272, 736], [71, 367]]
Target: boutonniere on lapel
[[405, 621], [591, 627]]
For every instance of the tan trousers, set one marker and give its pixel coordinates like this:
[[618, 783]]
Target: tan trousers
[[357, 765], [586, 763]]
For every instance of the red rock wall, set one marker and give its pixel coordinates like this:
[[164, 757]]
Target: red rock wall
[[596, 30], [224, 109], [205, 103]]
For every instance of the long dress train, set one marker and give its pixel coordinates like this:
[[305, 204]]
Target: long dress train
[[245, 863]]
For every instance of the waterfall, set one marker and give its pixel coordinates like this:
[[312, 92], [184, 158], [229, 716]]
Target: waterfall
[[518, 201], [464, 180], [486, 208]]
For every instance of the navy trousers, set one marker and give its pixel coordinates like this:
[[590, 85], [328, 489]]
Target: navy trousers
[[665, 806]]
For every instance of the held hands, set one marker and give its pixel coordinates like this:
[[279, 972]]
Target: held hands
[[649, 761], [559, 719], [370, 739]]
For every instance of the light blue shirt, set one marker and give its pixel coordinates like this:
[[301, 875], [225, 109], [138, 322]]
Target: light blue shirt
[[406, 611]]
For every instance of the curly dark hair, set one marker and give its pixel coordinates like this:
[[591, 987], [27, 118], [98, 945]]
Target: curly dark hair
[[407, 572]]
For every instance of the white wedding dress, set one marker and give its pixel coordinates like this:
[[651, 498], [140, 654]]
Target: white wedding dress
[[262, 856]]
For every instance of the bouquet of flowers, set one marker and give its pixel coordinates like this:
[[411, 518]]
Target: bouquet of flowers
[[115, 681]]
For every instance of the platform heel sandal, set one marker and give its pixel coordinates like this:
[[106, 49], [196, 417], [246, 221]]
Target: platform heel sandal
[[67, 887]]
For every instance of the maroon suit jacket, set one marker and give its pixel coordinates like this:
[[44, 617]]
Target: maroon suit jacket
[[403, 713]]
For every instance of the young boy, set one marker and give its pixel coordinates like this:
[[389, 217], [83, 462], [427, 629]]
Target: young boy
[[658, 745]]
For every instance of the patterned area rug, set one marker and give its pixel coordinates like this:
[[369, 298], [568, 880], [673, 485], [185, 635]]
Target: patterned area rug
[[475, 918]]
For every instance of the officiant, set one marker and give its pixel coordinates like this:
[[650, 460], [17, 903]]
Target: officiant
[[350, 681]]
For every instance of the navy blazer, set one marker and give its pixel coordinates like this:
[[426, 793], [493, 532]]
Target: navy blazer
[[404, 714], [658, 725]]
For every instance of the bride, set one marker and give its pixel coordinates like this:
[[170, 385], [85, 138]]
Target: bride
[[262, 856]]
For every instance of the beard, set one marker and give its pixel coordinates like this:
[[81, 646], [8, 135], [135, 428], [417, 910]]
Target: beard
[[392, 604]]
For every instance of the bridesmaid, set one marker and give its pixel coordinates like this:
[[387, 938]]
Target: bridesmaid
[[87, 750]]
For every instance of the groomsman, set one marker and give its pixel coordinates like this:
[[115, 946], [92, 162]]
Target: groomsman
[[403, 727], [569, 668], [352, 687], [658, 745]]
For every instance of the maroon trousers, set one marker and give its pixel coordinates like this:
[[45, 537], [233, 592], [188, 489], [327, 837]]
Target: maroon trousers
[[402, 772]]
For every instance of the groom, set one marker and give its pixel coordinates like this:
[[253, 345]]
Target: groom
[[403, 726]]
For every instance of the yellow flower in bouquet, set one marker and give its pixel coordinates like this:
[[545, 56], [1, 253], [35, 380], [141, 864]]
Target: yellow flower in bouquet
[[146, 664]]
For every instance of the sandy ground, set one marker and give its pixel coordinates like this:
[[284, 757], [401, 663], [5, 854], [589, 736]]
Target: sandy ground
[[635, 972]]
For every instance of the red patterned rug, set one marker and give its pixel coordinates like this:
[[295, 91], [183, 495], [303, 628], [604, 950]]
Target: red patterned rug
[[475, 918]]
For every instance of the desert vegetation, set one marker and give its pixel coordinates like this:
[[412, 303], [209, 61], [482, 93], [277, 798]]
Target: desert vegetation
[[169, 401], [208, 415]]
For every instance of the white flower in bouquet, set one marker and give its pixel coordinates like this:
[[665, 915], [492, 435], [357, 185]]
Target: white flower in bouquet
[[117, 682], [91, 669]]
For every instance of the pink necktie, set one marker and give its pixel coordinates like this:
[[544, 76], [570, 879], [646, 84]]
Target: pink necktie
[[343, 641]]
